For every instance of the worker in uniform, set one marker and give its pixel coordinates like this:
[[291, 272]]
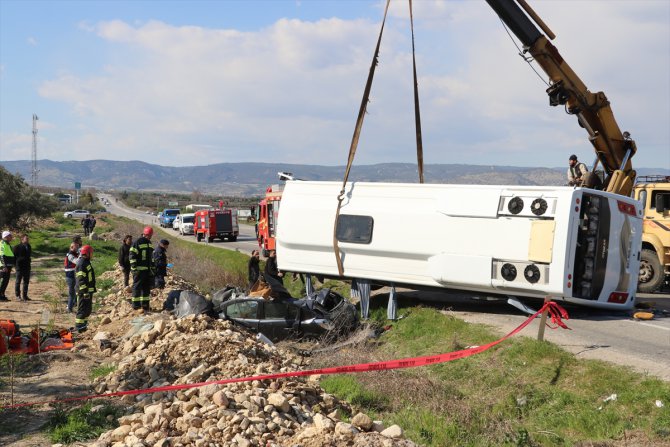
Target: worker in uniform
[[271, 268], [576, 171], [160, 263], [85, 285], [142, 266], [69, 266], [253, 267], [6, 263], [124, 258], [22, 254]]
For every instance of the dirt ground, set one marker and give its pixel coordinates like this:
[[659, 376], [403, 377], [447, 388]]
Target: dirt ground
[[46, 376]]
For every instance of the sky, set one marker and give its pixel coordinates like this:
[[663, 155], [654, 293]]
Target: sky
[[184, 83]]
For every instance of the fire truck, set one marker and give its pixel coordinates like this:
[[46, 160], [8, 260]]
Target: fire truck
[[218, 223], [266, 218]]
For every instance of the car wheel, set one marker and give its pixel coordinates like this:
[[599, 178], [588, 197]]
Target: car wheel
[[651, 272]]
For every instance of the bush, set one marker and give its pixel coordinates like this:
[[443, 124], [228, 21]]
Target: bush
[[19, 200]]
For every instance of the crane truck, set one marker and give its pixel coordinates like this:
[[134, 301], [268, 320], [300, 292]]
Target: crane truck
[[613, 148], [576, 244]]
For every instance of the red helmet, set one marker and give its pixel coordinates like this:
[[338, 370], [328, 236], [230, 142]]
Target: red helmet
[[148, 231], [86, 250]]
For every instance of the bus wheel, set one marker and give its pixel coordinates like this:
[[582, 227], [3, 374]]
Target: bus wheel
[[232, 238], [198, 237], [651, 272], [210, 239]]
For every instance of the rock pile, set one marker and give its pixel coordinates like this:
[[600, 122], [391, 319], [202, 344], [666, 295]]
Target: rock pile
[[160, 350]]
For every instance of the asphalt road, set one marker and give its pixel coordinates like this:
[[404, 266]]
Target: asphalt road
[[595, 334], [246, 241]]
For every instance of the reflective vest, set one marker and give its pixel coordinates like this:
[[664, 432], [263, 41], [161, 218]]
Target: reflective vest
[[70, 264], [141, 255], [85, 277], [6, 254]]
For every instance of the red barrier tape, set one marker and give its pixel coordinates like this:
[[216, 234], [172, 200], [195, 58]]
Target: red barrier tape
[[556, 312]]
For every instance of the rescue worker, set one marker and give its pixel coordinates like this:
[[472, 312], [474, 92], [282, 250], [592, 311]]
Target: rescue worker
[[6, 263], [253, 267], [271, 268], [124, 258], [142, 266], [576, 172], [23, 254], [85, 286], [69, 266], [160, 263]]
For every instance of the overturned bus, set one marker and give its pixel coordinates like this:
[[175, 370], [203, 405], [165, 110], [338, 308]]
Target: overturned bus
[[572, 244]]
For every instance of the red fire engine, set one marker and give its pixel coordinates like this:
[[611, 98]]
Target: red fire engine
[[221, 223], [266, 218]]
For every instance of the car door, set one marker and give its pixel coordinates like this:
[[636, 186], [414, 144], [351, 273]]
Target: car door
[[243, 312], [278, 320]]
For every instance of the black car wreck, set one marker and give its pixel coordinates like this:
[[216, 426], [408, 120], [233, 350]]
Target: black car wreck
[[322, 313]]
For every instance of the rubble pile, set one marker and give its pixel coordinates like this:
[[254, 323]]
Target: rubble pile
[[158, 350]]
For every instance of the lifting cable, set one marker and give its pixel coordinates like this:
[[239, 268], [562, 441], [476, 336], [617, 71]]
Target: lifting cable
[[417, 114], [359, 125]]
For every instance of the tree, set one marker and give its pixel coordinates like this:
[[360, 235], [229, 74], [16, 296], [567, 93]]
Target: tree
[[18, 200]]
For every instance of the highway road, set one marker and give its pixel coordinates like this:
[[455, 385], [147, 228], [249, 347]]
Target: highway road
[[246, 241], [595, 334]]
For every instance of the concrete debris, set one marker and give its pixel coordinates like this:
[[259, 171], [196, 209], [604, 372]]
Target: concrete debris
[[161, 350]]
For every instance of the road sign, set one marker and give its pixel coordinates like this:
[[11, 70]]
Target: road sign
[[173, 203], [77, 185]]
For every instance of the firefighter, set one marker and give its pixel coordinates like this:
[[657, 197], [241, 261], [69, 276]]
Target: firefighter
[[160, 263], [142, 266], [6, 263], [85, 285]]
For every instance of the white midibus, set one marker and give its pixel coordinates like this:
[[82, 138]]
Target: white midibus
[[573, 244]]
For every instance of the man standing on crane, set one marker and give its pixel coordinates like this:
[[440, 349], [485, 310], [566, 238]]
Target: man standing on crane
[[576, 172]]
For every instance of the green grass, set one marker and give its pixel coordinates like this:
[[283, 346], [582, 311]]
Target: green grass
[[102, 370], [521, 392], [55, 241], [81, 424]]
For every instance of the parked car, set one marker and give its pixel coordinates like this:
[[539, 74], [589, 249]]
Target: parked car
[[176, 222], [323, 313], [76, 214], [186, 224]]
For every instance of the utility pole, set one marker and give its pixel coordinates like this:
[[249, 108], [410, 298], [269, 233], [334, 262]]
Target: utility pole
[[34, 153]]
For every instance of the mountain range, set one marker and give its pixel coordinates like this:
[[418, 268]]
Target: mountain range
[[249, 179]]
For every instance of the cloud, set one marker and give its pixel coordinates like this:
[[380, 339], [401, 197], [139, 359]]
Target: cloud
[[32, 41], [290, 92]]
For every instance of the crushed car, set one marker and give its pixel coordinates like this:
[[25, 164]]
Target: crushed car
[[273, 312], [280, 316]]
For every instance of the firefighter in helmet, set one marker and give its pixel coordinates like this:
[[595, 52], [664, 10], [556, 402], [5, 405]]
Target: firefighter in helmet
[[142, 267], [85, 286]]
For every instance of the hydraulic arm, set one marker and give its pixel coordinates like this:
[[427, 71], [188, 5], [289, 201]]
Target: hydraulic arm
[[613, 148]]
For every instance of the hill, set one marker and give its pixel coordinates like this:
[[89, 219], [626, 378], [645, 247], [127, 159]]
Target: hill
[[246, 179]]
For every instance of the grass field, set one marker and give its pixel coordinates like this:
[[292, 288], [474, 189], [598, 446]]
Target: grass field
[[523, 392]]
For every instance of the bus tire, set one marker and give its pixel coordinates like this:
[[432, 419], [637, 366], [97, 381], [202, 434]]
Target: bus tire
[[210, 239], [198, 237], [651, 272], [232, 238]]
